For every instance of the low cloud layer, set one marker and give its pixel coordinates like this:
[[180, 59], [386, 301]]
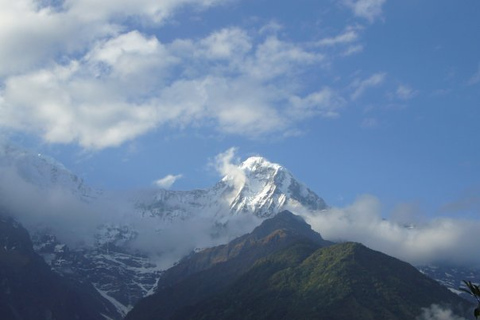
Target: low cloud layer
[[76, 222], [429, 241], [25, 195], [436, 312]]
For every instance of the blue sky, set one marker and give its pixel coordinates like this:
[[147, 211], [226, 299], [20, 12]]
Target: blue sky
[[354, 97]]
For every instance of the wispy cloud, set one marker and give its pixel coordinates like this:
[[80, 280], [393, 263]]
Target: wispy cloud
[[325, 102], [405, 92], [369, 123], [226, 164], [351, 50], [167, 181], [350, 35], [360, 86], [367, 9], [475, 78]]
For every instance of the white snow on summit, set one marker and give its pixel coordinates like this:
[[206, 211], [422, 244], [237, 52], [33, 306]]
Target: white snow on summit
[[257, 187]]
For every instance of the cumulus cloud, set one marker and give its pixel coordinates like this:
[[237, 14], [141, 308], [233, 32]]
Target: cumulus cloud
[[360, 86], [35, 33], [125, 84], [367, 9], [167, 181], [428, 241]]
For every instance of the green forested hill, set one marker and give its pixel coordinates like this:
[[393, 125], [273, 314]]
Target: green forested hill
[[293, 276], [343, 281]]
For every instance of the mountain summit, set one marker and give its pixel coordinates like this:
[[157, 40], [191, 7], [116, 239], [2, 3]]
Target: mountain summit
[[213, 270], [268, 188], [256, 187], [285, 270]]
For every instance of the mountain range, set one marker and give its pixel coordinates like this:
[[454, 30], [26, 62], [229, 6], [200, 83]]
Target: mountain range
[[117, 260]]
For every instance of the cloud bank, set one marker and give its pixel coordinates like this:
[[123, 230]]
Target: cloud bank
[[429, 241], [418, 240]]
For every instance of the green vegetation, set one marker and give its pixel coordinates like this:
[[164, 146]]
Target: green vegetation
[[343, 281], [284, 270]]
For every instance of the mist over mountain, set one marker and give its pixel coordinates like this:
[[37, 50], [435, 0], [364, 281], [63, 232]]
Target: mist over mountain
[[284, 270], [135, 235], [30, 290]]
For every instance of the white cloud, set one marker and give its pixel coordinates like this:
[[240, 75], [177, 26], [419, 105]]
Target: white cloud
[[274, 58], [360, 86], [351, 50], [441, 239], [405, 92], [129, 83], [436, 312], [226, 164], [325, 102], [349, 36], [156, 11], [367, 9], [167, 181], [226, 44]]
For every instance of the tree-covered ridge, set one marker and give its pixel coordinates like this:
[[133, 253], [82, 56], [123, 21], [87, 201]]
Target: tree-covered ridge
[[343, 281], [284, 270]]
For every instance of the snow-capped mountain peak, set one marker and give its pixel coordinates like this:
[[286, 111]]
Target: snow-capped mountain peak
[[256, 186], [269, 188], [258, 163]]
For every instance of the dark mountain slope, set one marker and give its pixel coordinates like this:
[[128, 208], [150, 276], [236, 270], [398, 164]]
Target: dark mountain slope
[[29, 290], [210, 271], [282, 271], [344, 281]]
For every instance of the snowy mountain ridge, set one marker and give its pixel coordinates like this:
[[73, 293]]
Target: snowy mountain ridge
[[44, 172], [258, 187]]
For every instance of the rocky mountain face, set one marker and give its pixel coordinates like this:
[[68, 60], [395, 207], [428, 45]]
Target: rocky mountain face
[[283, 270], [29, 289], [120, 276], [122, 273], [452, 277], [258, 187]]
